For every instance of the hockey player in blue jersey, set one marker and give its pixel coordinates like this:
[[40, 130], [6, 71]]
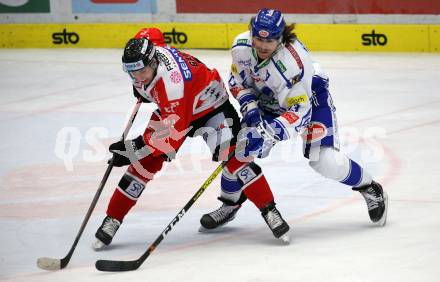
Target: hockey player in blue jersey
[[283, 92]]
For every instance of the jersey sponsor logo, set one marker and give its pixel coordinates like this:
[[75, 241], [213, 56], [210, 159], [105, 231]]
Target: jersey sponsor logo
[[374, 39], [164, 59], [290, 117], [281, 66], [246, 63], [175, 37], [65, 37], [316, 131], [290, 101], [184, 69], [175, 77], [296, 57]]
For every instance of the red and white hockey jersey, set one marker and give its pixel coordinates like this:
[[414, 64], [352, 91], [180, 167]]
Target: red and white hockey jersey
[[184, 90]]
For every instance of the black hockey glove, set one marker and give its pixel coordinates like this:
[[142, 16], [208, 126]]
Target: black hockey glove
[[125, 153], [137, 95]]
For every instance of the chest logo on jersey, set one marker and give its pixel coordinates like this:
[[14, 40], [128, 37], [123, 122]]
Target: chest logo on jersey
[[186, 72], [281, 66], [257, 78], [175, 77], [290, 101], [172, 107]]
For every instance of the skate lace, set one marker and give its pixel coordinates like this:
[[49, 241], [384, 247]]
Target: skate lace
[[221, 213], [273, 219], [372, 197], [110, 226]]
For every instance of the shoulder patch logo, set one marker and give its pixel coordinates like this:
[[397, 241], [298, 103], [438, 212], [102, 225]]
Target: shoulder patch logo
[[242, 41]]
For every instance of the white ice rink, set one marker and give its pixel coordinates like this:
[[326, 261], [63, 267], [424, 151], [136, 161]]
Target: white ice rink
[[59, 110]]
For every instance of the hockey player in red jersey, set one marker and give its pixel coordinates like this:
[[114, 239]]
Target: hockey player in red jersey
[[192, 101]]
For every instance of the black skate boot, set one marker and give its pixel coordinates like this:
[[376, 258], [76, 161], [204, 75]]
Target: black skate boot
[[106, 232], [276, 223], [377, 202], [220, 216]]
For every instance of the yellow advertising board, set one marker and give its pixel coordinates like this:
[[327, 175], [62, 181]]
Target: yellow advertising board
[[317, 37]]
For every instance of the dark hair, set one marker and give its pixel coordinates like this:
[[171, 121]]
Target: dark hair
[[288, 34], [250, 23]]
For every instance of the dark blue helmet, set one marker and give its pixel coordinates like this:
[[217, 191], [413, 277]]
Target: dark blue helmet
[[268, 24]]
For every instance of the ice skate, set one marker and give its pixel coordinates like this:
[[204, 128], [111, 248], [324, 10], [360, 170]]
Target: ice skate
[[105, 233], [220, 216], [276, 223], [377, 202]]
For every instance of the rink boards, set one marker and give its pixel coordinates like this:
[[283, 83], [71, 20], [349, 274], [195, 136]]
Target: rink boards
[[317, 37]]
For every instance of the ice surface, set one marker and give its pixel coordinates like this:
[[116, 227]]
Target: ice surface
[[73, 103]]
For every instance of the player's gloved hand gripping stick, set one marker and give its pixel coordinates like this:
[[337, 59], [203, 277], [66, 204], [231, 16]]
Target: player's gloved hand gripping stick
[[56, 264]]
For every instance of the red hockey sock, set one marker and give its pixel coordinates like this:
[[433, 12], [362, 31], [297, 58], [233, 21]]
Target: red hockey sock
[[259, 192], [119, 205]]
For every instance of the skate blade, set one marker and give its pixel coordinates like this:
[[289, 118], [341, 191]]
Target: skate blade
[[383, 220], [98, 245], [206, 230], [285, 239]]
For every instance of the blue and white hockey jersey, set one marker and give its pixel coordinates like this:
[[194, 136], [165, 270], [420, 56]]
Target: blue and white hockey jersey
[[282, 83]]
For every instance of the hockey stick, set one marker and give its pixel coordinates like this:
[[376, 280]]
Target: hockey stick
[[116, 266], [56, 264]]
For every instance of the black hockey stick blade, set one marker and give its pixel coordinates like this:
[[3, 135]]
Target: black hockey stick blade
[[117, 266]]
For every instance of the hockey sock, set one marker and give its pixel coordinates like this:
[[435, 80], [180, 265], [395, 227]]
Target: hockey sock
[[252, 181]]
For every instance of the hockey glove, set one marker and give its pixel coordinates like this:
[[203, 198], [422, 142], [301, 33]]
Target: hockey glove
[[249, 110], [263, 137], [128, 151]]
